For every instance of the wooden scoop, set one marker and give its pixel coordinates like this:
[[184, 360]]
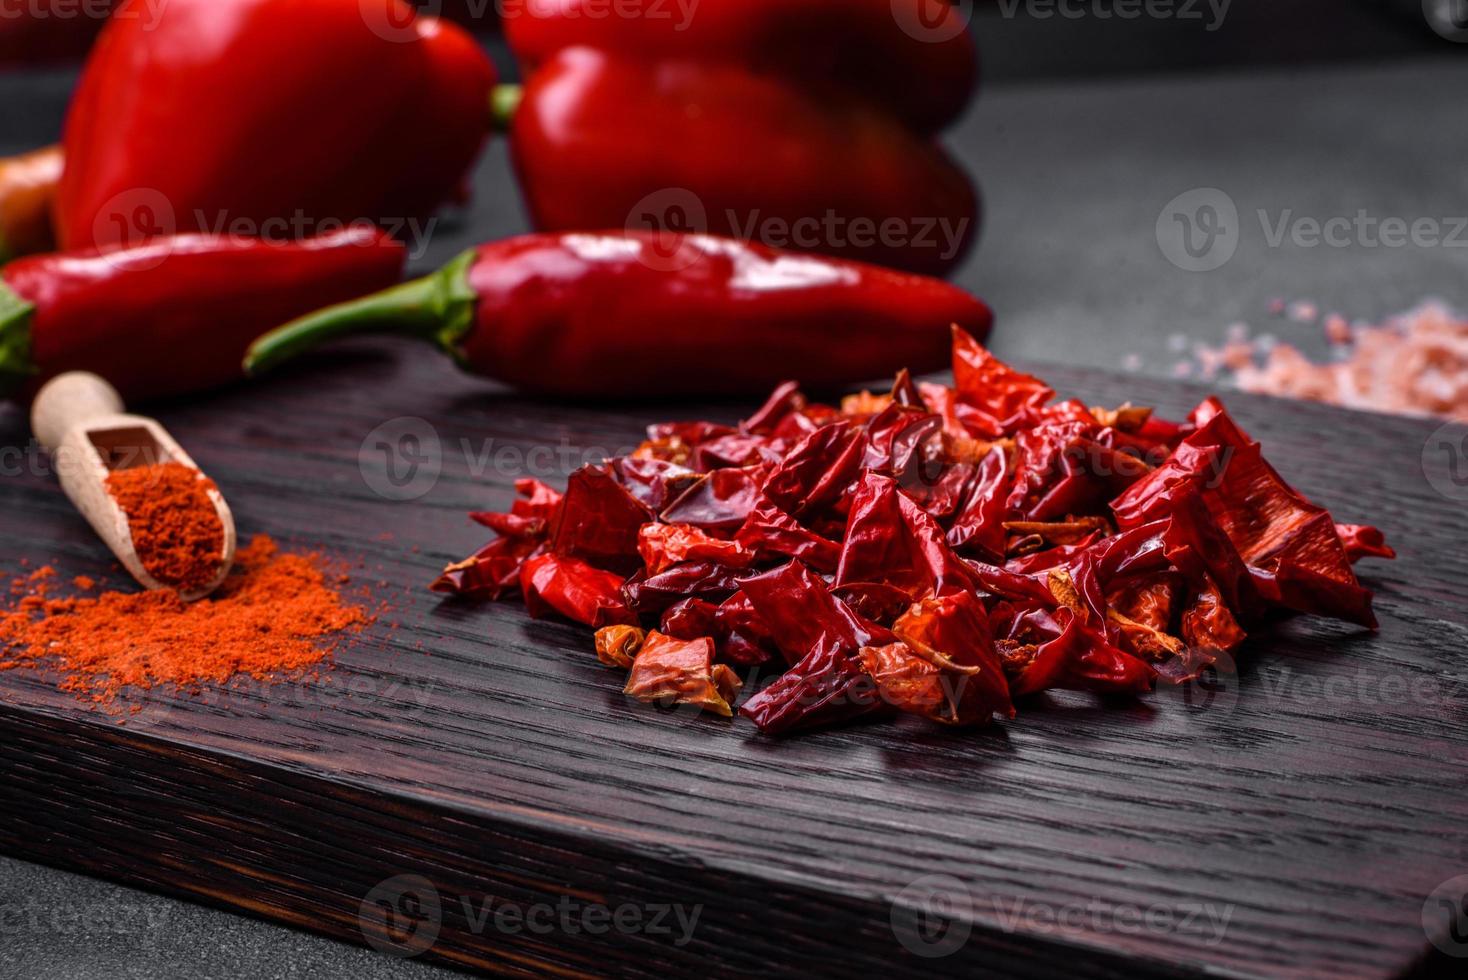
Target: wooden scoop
[[79, 418]]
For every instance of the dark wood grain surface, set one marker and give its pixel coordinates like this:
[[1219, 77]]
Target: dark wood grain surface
[[1290, 823]]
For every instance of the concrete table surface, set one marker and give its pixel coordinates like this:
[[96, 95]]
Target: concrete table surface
[[1077, 176]]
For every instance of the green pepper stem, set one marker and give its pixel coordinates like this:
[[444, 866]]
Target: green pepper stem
[[438, 308], [504, 102], [16, 365]]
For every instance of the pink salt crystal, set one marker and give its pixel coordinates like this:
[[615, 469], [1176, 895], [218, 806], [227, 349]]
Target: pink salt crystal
[[1302, 311], [1337, 330], [1239, 355], [1412, 364]]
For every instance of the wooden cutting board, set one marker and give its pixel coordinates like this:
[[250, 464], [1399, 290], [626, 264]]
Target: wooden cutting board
[[1291, 821]]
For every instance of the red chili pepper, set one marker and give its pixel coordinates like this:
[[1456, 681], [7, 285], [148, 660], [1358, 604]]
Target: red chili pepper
[[37, 32], [27, 189], [272, 118], [176, 314], [606, 315], [803, 124]]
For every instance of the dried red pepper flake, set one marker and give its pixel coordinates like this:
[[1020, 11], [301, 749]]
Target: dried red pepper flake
[[665, 545], [941, 551], [682, 672], [616, 646], [575, 589]]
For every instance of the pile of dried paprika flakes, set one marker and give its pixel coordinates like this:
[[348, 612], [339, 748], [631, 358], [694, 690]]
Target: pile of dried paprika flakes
[[938, 550]]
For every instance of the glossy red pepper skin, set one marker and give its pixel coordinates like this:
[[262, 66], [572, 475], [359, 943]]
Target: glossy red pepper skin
[[622, 315], [926, 77], [804, 125], [236, 115], [175, 315]]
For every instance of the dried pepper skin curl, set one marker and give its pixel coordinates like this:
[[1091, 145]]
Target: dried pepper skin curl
[[647, 316], [944, 552]]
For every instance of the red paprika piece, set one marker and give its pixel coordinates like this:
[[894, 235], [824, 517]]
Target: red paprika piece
[[803, 124], [175, 315], [948, 552], [271, 118], [174, 526], [597, 315]]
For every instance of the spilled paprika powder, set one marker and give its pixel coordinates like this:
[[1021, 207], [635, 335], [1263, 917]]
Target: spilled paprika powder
[[275, 617], [175, 529]]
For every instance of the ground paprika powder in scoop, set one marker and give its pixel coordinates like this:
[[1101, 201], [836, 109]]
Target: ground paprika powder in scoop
[[175, 529]]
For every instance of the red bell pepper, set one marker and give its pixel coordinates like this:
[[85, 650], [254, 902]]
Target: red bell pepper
[[175, 315], [804, 124], [269, 118], [27, 188], [606, 315]]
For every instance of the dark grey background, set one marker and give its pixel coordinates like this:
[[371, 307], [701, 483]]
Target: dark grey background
[[1085, 130]]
